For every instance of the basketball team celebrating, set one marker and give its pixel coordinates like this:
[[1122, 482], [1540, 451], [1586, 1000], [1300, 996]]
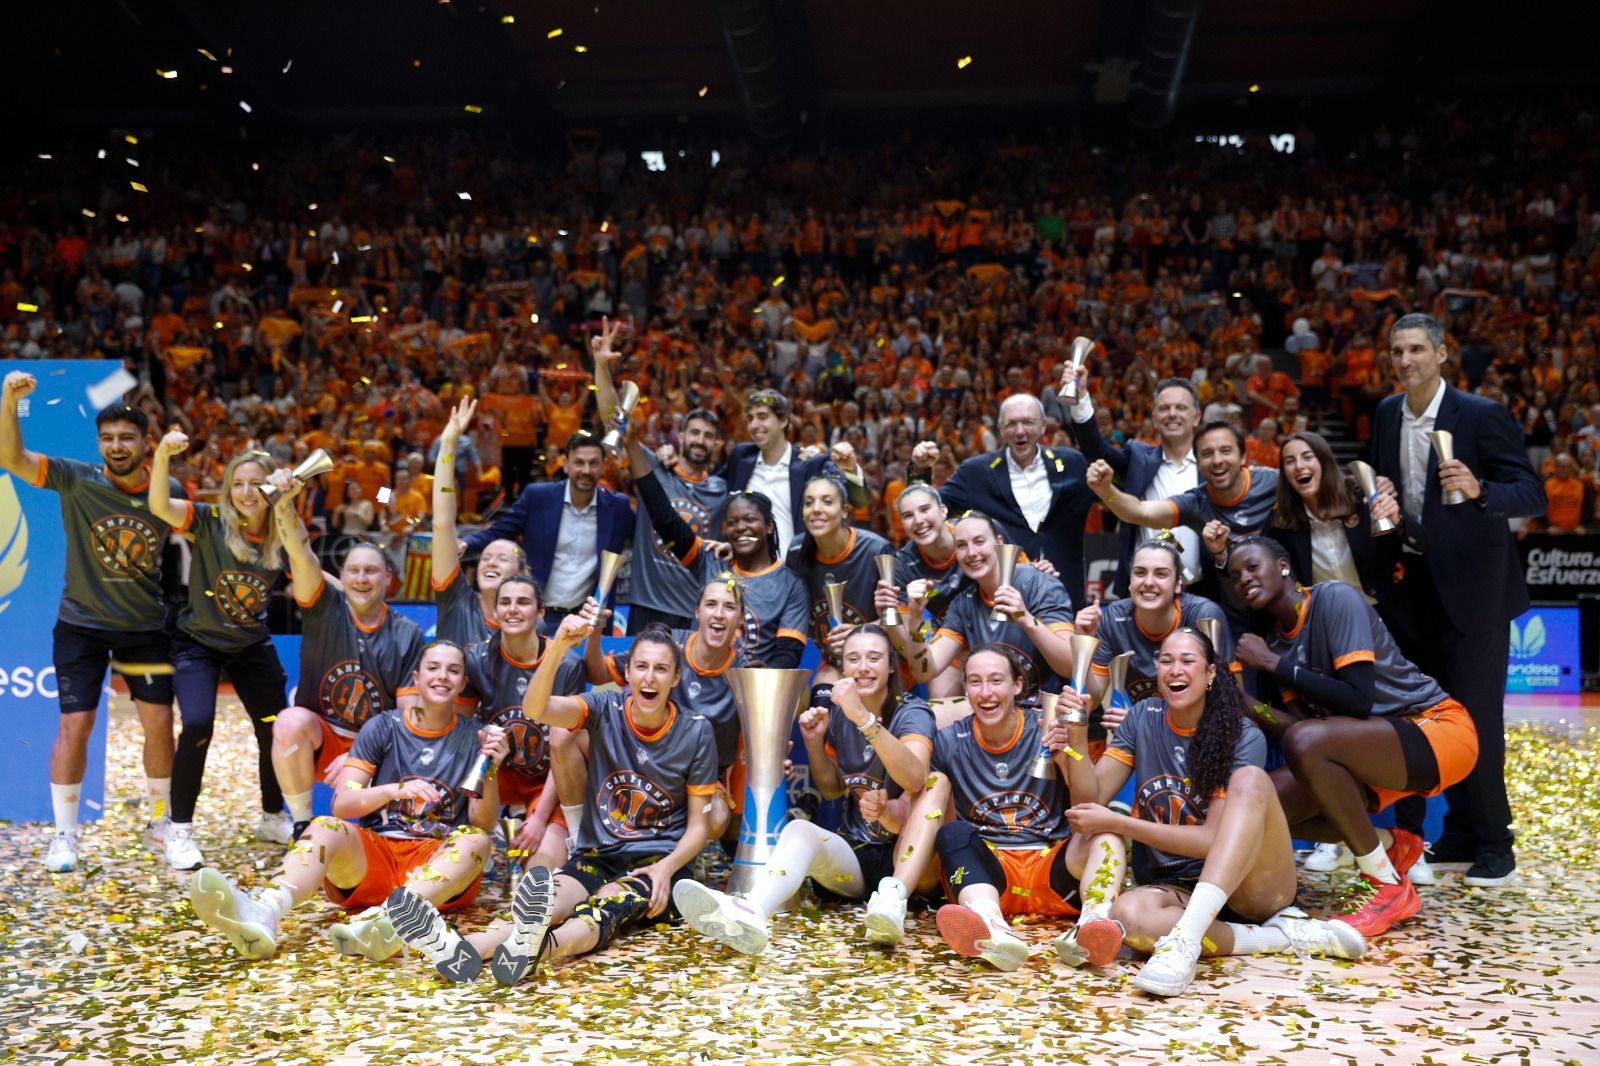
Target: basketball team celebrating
[[1297, 650]]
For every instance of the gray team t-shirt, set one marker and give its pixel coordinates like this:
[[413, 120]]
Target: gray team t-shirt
[[392, 747], [1245, 513], [349, 673], [855, 567], [660, 581], [1120, 631], [641, 784], [461, 617], [114, 547], [1338, 627], [968, 622], [1159, 756], [994, 790], [498, 682], [227, 606], [861, 767]]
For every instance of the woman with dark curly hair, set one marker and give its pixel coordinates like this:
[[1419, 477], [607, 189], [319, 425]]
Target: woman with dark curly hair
[[1223, 877]]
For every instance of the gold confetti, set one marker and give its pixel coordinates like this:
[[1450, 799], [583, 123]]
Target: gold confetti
[[553, 34], [964, 62], [138, 186], [473, 108]]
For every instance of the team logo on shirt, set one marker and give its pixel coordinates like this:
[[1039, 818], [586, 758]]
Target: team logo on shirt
[[126, 545], [350, 695], [821, 623], [1011, 811], [530, 742], [632, 804], [240, 595], [425, 818], [1167, 800], [750, 628], [691, 511], [1141, 688]]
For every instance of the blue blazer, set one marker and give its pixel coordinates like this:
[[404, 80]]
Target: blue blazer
[[983, 483], [1136, 465], [1469, 550], [535, 521], [741, 466]]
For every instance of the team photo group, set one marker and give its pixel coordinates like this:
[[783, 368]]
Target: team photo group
[[1296, 652]]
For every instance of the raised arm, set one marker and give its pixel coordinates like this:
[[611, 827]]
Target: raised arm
[[1156, 514], [603, 348], [538, 703], [173, 512], [677, 536], [446, 553], [14, 458], [305, 572]]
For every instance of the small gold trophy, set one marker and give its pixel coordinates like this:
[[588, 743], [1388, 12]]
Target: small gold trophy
[[891, 615]]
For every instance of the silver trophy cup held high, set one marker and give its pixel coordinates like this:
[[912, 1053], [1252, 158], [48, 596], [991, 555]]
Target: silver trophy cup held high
[[627, 400], [1081, 348]]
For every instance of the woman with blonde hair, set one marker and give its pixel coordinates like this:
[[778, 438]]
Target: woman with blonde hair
[[223, 627]]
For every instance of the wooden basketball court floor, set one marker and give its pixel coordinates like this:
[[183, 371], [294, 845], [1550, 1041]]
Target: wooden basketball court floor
[[108, 964]]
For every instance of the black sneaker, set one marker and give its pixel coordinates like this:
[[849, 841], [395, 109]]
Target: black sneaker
[[1493, 868], [1453, 853], [420, 924], [531, 910]]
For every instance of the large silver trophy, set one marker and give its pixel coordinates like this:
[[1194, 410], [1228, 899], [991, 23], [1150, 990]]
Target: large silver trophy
[[1006, 562], [627, 400], [1367, 478], [1444, 445], [767, 701], [314, 465], [1081, 347]]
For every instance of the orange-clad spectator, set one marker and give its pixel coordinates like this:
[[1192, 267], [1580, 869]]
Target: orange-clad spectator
[[1308, 348], [1569, 498], [1261, 448], [408, 508], [564, 402], [1266, 389], [371, 473]]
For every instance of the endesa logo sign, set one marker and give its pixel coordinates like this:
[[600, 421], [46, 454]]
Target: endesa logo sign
[[1545, 651]]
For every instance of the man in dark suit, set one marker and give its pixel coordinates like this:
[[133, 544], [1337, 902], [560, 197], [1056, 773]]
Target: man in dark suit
[[767, 463], [1036, 494], [1149, 471], [563, 527], [1462, 581]]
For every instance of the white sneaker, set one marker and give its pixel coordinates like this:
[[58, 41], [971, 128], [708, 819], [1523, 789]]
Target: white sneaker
[[1421, 873], [721, 917], [1172, 964], [62, 855], [971, 934], [276, 828], [155, 833], [421, 925], [1308, 937], [182, 852], [886, 913], [1325, 858], [250, 926], [369, 933]]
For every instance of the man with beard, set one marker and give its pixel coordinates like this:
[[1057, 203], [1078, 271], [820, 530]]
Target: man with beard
[[563, 528], [112, 609]]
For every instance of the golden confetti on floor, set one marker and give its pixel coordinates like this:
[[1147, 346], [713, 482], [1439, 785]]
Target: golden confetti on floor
[[109, 965]]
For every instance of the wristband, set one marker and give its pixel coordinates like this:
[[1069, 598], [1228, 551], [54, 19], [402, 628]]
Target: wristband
[[871, 730]]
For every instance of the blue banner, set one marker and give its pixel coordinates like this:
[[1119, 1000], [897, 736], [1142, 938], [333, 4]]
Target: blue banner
[[1545, 651], [57, 419]]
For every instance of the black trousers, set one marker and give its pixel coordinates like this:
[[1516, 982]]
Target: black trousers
[[1472, 668]]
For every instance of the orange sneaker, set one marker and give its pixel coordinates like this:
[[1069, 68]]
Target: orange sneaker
[[1382, 906], [1405, 851], [1101, 939]]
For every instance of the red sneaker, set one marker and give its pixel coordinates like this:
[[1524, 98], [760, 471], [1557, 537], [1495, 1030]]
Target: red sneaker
[[1100, 940], [1383, 906], [1405, 851]]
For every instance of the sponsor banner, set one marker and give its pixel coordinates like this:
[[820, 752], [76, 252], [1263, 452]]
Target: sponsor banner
[[1560, 568], [58, 420], [1545, 648]]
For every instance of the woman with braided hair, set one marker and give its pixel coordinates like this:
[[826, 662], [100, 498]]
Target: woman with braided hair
[[1222, 861]]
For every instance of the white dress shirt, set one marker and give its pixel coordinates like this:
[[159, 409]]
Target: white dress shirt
[[1414, 449], [572, 569], [772, 479], [1330, 555], [1031, 487], [1173, 477]]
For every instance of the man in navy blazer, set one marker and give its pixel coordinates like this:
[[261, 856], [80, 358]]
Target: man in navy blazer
[[1149, 471], [563, 527], [1037, 495], [1462, 580], [767, 463]]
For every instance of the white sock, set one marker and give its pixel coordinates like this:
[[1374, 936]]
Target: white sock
[[1375, 864], [894, 885], [1205, 903], [275, 898], [158, 793], [989, 910], [1093, 912], [299, 804], [1258, 939], [574, 817], [64, 798]]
